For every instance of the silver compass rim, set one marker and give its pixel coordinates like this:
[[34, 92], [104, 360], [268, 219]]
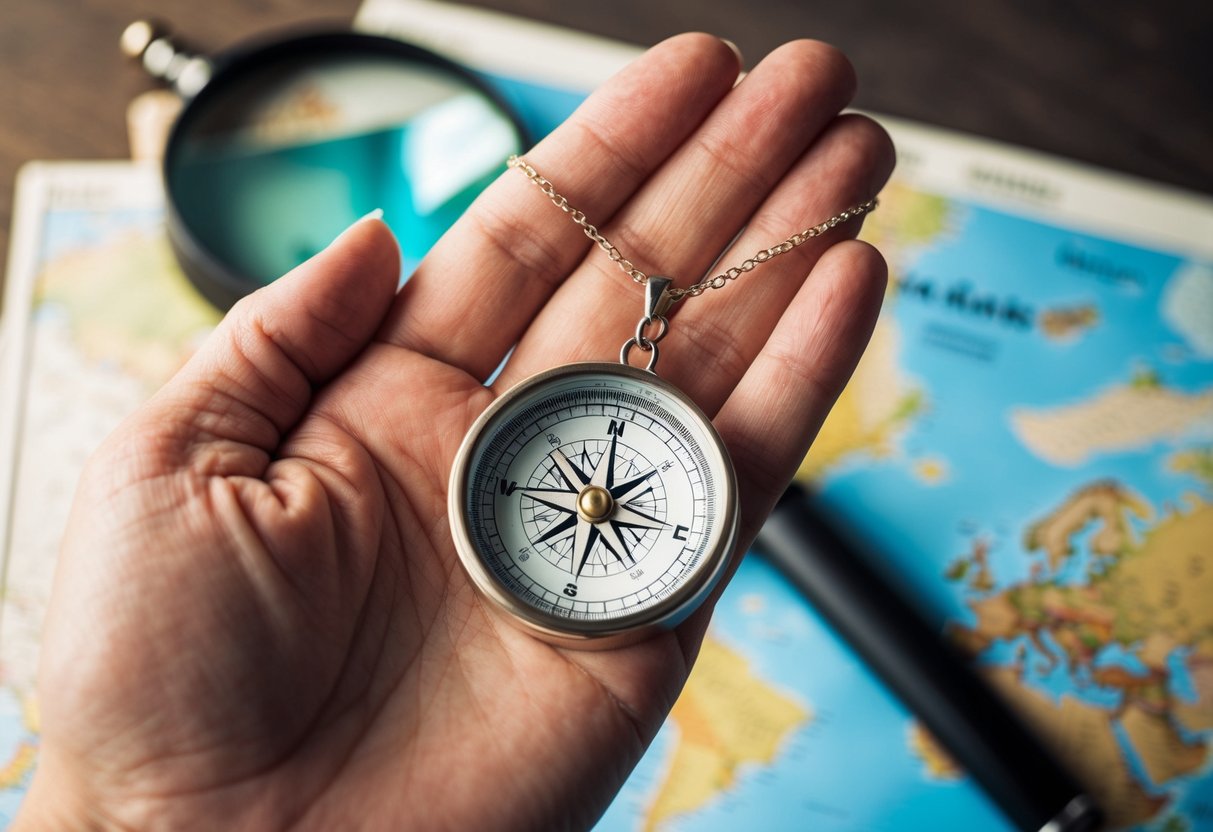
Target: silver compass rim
[[597, 634]]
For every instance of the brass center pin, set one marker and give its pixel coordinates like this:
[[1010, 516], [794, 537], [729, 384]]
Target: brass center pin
[[594, 504]]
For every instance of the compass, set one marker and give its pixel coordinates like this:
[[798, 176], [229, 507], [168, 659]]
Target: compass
[[594, 505]]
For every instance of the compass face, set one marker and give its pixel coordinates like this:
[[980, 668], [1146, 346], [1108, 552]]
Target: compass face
[[594, 501]]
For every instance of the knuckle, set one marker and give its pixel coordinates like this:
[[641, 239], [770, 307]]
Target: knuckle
[[519, 242], [724, 153], [774, 223], [716, 344], [603, 141], [256, 360], [640, 245], [803, 374]]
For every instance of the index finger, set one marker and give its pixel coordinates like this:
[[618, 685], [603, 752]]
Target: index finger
[[489, 275]]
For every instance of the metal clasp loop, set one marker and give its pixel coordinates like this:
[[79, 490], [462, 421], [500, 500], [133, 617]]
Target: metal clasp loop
[[663, 326], [656, 301], [644, 342], [648, 346]]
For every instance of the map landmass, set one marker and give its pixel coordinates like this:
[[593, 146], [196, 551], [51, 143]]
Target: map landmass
[[1188, 306], [1197, 714], [1146, 599], [127, 302], [879, 402], [936, 761], [973, 568], [871, 411], [1122, 418], [1105, 503], [1197, 462], [727, 717], [1083, 737], [1066, 324]]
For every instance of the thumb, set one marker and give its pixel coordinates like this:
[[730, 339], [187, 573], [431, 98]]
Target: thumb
[[254, 377]]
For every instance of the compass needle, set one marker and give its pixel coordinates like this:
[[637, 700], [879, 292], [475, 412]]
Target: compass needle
[[627, 516], [637, 499], [603, 475], [557, 499], [570, 472], [610, 471], [598, 552], [623, 491], [614, 542], [558, 528], [591, 536]]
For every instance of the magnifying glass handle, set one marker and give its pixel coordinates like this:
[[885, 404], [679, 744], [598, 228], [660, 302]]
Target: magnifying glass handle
[[166, 58]]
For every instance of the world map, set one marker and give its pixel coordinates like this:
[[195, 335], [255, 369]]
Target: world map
[[113, 318], [1027, 445]]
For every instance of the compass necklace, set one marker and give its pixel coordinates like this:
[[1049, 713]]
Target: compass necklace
[[594, 504]]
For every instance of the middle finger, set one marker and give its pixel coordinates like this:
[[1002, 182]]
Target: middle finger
[[693, 206]]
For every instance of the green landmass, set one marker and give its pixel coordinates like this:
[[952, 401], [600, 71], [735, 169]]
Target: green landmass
[[128, 303], [1196, 462], [1150, 596], [957, 570], [1146, 379]]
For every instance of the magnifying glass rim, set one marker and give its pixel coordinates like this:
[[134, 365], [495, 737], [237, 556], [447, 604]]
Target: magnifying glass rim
[[219, 282]]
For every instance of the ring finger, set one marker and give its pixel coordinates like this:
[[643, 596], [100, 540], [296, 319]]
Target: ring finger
[[694, 205], [727, 328]]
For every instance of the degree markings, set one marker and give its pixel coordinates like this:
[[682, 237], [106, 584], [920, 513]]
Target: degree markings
[[549, 508]]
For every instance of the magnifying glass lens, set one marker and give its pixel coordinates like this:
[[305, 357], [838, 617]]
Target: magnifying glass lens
[[265, 172]]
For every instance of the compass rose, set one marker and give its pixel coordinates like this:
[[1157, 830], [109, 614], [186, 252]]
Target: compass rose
[[595, 508]]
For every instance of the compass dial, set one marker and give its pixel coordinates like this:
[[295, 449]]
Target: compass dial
[[594, 503]]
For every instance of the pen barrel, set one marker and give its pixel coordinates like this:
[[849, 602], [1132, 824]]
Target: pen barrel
[[977, 728]]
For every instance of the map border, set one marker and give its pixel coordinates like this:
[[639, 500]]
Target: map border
[[1049, 189]]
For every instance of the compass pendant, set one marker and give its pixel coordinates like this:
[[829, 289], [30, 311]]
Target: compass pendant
[[594, 504]]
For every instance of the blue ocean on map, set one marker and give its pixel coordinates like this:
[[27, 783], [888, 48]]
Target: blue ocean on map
[[853, 769]]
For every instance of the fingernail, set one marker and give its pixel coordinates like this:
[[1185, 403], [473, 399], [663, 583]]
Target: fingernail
[[736, 51], [377, 214]]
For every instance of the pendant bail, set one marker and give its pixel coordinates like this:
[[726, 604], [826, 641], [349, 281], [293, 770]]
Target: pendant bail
[[657, 300]]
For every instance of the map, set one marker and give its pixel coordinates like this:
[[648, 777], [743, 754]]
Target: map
[[1027, 445], [111, 318]]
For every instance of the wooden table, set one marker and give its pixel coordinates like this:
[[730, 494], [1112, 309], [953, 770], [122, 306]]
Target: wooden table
[[1106, 81]]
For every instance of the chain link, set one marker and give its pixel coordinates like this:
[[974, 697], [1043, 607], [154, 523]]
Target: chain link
[[712, 282]]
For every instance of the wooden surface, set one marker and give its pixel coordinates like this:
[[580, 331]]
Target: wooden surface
[[1119, 83]]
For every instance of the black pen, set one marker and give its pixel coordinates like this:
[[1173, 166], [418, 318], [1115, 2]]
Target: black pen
[[934, 681]]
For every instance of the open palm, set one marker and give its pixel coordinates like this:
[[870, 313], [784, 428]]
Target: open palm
[[259, 620]]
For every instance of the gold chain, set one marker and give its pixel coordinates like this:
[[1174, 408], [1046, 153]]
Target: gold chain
[[706, 283]]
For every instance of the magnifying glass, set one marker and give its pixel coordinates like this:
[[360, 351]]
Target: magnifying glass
[[281, 145]]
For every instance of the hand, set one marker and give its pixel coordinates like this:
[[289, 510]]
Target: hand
[[259, 620]]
